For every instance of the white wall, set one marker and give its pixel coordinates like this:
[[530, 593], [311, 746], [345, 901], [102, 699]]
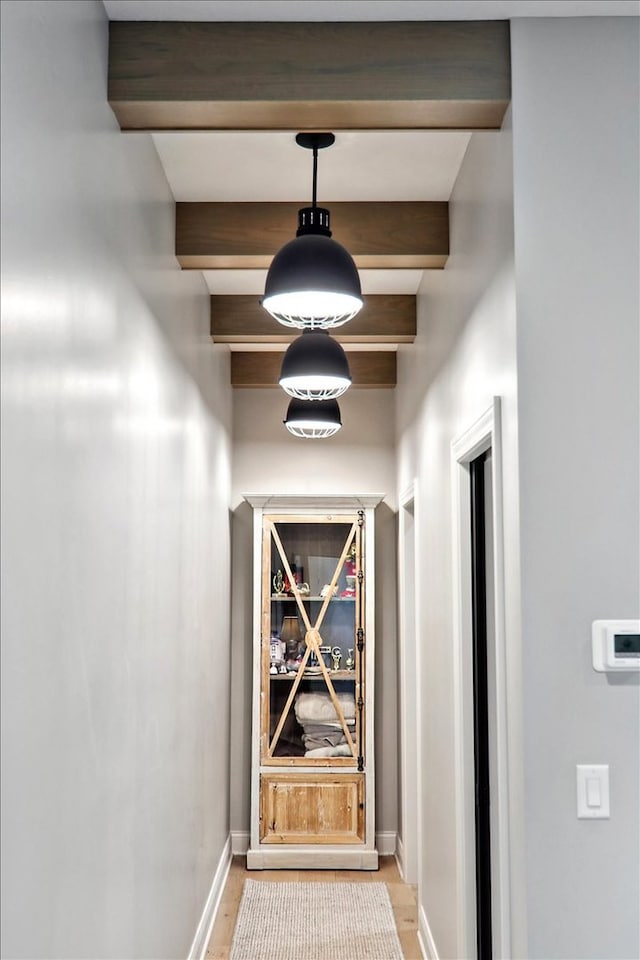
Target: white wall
[[464, 355], [360, 458], [115, 526], [572, 426], [575, 117]]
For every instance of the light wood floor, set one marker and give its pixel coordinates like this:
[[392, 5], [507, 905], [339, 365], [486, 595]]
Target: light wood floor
[[402, 896]]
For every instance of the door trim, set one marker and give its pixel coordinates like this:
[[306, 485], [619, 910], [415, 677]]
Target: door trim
[[482, 434], [409, 675]]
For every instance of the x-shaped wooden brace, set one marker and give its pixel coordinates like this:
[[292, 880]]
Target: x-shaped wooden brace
[[312, 638]]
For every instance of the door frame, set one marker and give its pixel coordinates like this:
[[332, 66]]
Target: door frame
[[409, 692], [483, 434]]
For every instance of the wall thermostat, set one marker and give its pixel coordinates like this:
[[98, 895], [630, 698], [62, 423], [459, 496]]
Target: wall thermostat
[[615, 645]]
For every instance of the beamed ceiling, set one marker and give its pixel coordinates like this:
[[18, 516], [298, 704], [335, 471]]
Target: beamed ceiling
[[396, 94]]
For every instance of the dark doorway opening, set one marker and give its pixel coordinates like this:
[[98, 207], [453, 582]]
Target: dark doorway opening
[[480, 484]]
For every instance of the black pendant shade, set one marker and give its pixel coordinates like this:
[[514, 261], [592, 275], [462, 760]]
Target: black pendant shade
[[312, 281], [315, 367], [313, 421]]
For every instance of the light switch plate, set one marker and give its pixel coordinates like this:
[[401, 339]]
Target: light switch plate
[[592, 781]]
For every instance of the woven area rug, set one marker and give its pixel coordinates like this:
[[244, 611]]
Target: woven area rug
[[315, 921]]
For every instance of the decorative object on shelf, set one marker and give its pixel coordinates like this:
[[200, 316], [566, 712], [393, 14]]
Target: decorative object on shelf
[[278, 584], [313, 421], [336, 656], [350, 562], [313, 667], [350, 662], [304, 589], [312, 281], [315, 367], [292, 635], [350, 573], [276, 649], [327, 589], [350, 590]]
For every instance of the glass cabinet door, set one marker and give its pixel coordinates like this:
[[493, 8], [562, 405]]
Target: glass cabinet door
[[313, 697]]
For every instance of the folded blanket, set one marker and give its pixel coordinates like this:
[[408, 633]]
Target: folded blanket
[[318, 706], [340, 751], [330, 738], [327, 728]]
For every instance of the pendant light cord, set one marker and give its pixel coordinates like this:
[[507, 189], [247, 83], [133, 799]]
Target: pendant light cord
[[315, 176]]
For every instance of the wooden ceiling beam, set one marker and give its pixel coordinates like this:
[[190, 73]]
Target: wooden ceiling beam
[[376, 369], [385, 318], [305, 76], [378, 235]]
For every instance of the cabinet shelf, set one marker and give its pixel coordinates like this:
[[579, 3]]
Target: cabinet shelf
[[284, 599], [334, 674]]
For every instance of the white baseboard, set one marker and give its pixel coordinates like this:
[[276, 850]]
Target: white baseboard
[[425, 937], [386, 843], [205, 926], [239, 842]]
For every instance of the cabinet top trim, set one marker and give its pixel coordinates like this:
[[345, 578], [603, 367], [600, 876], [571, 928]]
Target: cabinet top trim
[[311, 501]]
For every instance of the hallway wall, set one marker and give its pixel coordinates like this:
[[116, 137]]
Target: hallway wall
[[576, 89], [115, 523], [548, 231], [464, 355]]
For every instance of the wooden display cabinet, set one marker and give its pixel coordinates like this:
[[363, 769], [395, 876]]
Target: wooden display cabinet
[[312, 780]]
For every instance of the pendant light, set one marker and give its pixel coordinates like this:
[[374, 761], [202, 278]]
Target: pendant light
[[315, 367], [313, 421], [313, 281]]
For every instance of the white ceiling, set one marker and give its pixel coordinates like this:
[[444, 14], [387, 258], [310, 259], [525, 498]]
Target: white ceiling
[[362, 165], [268, 165], [334, 10], [371, 281]]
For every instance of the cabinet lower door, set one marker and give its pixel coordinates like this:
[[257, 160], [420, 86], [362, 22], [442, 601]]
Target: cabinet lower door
[[312, 808]]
